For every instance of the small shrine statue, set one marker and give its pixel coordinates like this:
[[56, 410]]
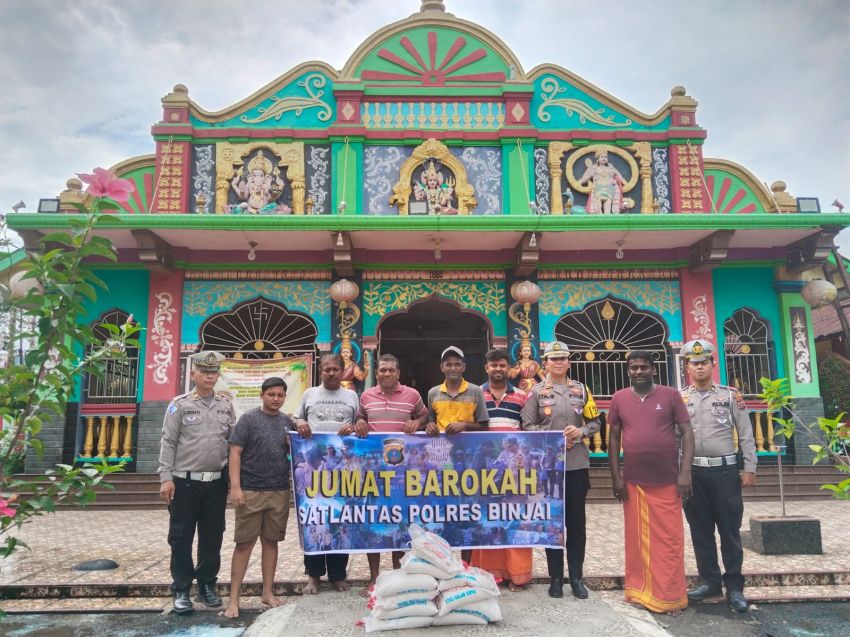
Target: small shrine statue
[[259, 188], [435, 191], [606, 194], [526, 368], [351, 371]]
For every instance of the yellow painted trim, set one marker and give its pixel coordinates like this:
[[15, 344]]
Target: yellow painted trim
[[262, 94], [683, 102], [133, 163], [758, 188]]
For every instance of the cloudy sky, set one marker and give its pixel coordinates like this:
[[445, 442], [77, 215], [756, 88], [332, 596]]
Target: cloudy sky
[[82, 80]]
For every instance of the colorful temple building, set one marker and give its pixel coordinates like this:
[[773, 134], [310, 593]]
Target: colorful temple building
[[435, 192]]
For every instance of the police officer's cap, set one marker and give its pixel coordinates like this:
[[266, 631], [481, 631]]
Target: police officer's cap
[[697, 351], [207, 361], [556, 349]]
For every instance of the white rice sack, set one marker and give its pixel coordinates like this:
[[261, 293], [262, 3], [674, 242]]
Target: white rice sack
[[483, 612], [412, 563], [430, 546], [412, 608], [394, 601], [463, 596], [377, 625], [398, 582], [474, 577]]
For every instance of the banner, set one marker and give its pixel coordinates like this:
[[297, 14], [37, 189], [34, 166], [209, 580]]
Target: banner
[[475, 489], [242, 379]]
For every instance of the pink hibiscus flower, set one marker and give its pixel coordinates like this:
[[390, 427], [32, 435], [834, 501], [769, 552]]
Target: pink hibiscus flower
[[5, 510], [105, 184]]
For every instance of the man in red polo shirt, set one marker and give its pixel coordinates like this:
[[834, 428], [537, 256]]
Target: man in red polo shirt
[[653, 485], [389, 407]]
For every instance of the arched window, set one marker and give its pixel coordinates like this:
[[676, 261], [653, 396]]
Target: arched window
[[259, 329], [600, 336], [747, 350], [120, 380]]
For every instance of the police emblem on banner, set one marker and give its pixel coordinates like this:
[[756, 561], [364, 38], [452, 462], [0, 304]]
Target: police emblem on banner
[[393, 451]]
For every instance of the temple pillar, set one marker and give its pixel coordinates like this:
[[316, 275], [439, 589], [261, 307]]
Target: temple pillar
[[698, 316], [162, 338]]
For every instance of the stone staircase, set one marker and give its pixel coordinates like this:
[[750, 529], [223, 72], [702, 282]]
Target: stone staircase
[[141, 490], [799, 483]]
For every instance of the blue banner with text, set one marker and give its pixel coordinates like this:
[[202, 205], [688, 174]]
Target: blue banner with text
[[475, 489]]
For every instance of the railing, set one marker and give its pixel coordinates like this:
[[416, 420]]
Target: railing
[[761, 419], [117, 385], [745, 372], [108, 433], [607, 371]]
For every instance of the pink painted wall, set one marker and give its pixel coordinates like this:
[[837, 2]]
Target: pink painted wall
[[162, 346]]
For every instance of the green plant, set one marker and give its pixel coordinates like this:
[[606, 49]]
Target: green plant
[[37, 383], [834, 372], [833, 431]]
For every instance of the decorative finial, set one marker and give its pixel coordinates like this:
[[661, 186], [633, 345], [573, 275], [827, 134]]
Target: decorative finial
[[432, 5], [678, 91]]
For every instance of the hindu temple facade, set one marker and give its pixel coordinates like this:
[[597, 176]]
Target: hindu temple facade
[[435, 192]]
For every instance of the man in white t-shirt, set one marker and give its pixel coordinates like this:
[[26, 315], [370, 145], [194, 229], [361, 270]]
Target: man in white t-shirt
[[327, 408]]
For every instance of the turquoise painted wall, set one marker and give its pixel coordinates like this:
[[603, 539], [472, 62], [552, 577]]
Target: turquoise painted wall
[[660, 297], [306, 102], [380, 298], [735, 288], [557, 104], [128, 291], [202, 299]]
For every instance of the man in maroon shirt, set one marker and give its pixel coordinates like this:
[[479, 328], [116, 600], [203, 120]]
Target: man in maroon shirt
[[644, 418]]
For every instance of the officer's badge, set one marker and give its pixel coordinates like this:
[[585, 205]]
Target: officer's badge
[[393, 451], [697, 348]]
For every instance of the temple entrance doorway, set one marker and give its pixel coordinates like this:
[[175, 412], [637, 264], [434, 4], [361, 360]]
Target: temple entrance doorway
[[418, 336]]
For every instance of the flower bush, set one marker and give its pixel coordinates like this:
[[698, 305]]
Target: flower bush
[[37, 383]]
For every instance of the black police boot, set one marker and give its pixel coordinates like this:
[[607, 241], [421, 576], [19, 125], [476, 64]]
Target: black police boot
[[579, 589], [208, 596], [182, 603], [737, 601], [556, 587], [704, 591]]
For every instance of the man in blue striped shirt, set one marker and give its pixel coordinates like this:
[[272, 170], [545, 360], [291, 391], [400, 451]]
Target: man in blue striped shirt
[[504, 405]]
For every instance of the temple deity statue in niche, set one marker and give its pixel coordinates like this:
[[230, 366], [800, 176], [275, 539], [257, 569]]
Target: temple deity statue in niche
[[435, 190], [258, 188], [606, 195], [526, 368]]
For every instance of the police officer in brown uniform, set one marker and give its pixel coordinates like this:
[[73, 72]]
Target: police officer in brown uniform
[[559, 403], [716, 413], [193, 481]]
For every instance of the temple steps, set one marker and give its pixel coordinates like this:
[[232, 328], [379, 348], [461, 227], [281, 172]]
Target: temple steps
[[141, 490]]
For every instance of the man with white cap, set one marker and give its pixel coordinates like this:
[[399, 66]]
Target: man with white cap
[[717, 413], [560, 403], [457, 405], [193, 482]]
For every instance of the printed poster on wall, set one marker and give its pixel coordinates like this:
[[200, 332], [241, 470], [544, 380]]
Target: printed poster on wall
[[242, 379], [475, 489]]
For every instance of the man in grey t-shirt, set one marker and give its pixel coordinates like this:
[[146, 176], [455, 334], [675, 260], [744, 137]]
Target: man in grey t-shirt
[[332, 409], [259, 488]]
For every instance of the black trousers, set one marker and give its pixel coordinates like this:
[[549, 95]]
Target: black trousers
[[196, 504], [717, 503], [576, 486], [334, 563]]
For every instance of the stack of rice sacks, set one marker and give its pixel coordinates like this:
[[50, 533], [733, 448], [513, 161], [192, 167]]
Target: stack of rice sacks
[[432, 589]]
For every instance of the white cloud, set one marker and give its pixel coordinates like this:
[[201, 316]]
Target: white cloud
[[83, 81]]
